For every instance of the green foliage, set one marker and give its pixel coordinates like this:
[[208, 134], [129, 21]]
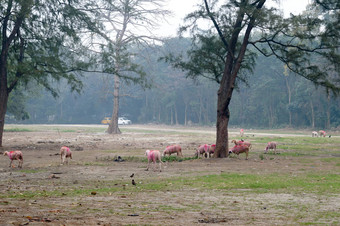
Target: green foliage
[[307, 44], [206, 58], [176, 158], [314, 183], [18, 130], [16, 105], [32, 170]]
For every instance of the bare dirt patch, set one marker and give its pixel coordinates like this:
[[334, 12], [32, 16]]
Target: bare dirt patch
[[96, 190]]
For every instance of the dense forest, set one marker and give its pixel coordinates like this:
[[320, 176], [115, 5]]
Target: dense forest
[[271, 97]]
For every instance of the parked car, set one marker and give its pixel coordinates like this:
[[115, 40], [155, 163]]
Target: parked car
[[124, 121], [106, 120], [121, 121]]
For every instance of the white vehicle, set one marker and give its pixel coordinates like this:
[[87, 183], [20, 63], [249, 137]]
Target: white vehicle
[[123, 121]]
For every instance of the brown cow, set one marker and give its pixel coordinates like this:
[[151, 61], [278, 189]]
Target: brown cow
[[173, 149], [315, 134], [212, 149], [237, 149], [322, 133], [65, 153], [202, 150], [242, 142], [153, 156], [271, 145], [15, 155]]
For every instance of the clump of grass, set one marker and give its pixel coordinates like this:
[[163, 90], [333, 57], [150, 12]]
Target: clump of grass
[[31, 170], [176, 158], [261, 156], [92, 164], [135, 159], [117, 158], [17, 130], [143, 159]]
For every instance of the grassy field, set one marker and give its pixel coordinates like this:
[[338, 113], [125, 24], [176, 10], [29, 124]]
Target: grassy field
[[298, 186]]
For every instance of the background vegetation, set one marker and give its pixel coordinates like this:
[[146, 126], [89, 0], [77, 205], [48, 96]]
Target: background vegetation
[[272, 98]]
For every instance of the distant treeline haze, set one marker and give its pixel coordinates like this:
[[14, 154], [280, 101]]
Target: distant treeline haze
[[272, 98]]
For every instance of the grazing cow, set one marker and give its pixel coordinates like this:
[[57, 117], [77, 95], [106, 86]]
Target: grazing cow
[[202, 150], [154, 155], [322, 133], [65, 153], [212, 149], [241, 132], [315, 134], [271, 145], [173, 149], [237, 149], [242, 142], [15, 155]]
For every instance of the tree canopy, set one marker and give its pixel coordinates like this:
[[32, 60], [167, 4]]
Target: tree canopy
[[308, 44], [40, 43]]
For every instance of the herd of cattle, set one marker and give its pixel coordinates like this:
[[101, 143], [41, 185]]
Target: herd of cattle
[[153, 156]]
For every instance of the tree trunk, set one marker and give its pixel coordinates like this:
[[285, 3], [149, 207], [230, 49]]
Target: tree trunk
[[223, 116], [113, 126], [312, 113], [200, 111], [185, 114], [289, 101], [171, 117], [271, 116], [3, 91], [3, 102], [176, 116], [159, 113], [328, 125]]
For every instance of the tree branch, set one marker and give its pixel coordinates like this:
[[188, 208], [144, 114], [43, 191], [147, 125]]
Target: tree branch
[[216, 25]]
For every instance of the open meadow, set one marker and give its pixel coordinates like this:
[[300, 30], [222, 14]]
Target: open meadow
[[298, 186]]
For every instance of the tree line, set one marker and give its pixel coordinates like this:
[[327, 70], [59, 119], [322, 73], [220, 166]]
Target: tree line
[[272, 98]]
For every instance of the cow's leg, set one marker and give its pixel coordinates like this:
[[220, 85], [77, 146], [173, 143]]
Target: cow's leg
[[149, 162], [154, 165]]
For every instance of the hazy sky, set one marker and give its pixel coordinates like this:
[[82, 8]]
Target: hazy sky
[[181, 8]]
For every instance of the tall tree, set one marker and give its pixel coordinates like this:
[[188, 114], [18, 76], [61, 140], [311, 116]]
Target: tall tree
[[127, 23], [246, 26], [40, 43]]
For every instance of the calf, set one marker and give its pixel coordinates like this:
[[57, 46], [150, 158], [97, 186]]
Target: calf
[[202, 150], [237, 149], [242, 142], [15, 155], [322, 133], [173, 149], [315, 134], [65, 153], [154, 155], [270, 145]]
